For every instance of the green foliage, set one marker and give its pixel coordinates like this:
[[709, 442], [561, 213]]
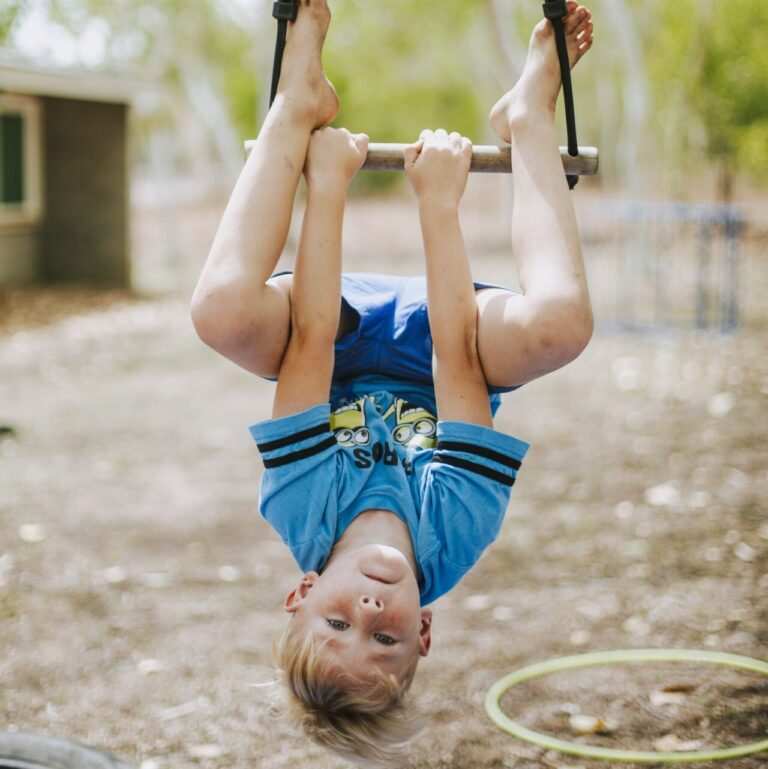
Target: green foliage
[[171, 40], [709, 64], [243, 93], [400, 67], [403, 65], [10, 11]]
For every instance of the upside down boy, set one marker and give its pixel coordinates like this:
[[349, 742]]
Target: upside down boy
[[383, 473]]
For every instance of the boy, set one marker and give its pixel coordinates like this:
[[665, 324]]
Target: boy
[[384, 507]]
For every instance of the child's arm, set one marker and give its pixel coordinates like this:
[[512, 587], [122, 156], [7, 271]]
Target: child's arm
[[437, 167], [304, 380]]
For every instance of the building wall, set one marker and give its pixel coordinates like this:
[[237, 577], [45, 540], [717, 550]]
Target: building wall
[[84, 233], [19, 189], [19, 255]]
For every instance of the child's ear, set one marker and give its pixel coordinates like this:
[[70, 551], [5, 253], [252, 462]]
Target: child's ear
[[299, 593], [425, 633]]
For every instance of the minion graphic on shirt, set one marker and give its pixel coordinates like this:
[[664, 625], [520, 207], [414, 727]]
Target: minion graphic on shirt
[[348, 424], [414, 425]]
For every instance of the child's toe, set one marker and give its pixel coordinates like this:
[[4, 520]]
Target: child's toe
[[585, 31], [584, 45], [576, 16], [580, 22]]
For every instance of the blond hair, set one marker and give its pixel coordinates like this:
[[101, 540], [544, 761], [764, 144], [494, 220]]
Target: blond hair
[[364, 721]]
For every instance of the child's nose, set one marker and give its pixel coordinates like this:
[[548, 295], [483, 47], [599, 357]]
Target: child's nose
[[370, 604]]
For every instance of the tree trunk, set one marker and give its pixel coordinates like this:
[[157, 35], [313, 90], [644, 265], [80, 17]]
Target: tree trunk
[[725, 182], [636, 94], [511, 52]]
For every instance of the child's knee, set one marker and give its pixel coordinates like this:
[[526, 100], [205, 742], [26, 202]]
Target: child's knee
[[563, 331], [217, 320], [224, 322], [232, 318]]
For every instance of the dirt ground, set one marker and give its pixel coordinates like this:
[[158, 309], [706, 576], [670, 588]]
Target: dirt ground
[[140, 591]]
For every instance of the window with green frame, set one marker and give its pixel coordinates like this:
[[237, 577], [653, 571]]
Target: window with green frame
[[11, 158]]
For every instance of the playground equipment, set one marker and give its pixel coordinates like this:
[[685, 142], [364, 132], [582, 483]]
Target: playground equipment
[[680, 265], [577, 161]]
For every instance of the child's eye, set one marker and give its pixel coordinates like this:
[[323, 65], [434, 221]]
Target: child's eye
[[337, 624], [384, 639]]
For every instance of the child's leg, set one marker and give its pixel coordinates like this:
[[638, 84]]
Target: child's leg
[[236, 310], [523, 337]]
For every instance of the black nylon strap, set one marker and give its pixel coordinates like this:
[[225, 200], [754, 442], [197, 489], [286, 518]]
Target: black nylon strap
[[284, 11], [556, 11]]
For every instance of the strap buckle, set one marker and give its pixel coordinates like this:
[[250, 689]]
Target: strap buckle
[[555, 9], [285, 10]]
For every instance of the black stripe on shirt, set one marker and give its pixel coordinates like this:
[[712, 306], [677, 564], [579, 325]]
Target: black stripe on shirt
[[302, 453], [471, 448], [494, 475], [281, 443]]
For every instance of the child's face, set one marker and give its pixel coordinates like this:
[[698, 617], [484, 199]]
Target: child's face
[[366, 606]]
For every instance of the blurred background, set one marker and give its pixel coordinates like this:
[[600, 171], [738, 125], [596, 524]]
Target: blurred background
[[673, 94], [139, 591]]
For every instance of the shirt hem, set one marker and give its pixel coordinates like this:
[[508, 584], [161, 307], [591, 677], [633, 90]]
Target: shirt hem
[[482, 436], [282, 427]]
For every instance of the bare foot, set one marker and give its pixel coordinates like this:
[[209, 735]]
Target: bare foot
[[303, 83], [539, 85]]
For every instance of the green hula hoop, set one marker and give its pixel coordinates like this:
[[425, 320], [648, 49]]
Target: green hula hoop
[[495, 693]]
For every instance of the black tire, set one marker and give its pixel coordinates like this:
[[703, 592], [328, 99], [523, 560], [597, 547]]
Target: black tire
[[33, 751]]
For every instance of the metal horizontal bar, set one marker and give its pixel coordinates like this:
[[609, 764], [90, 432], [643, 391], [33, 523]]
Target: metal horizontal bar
[[486, 158]]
